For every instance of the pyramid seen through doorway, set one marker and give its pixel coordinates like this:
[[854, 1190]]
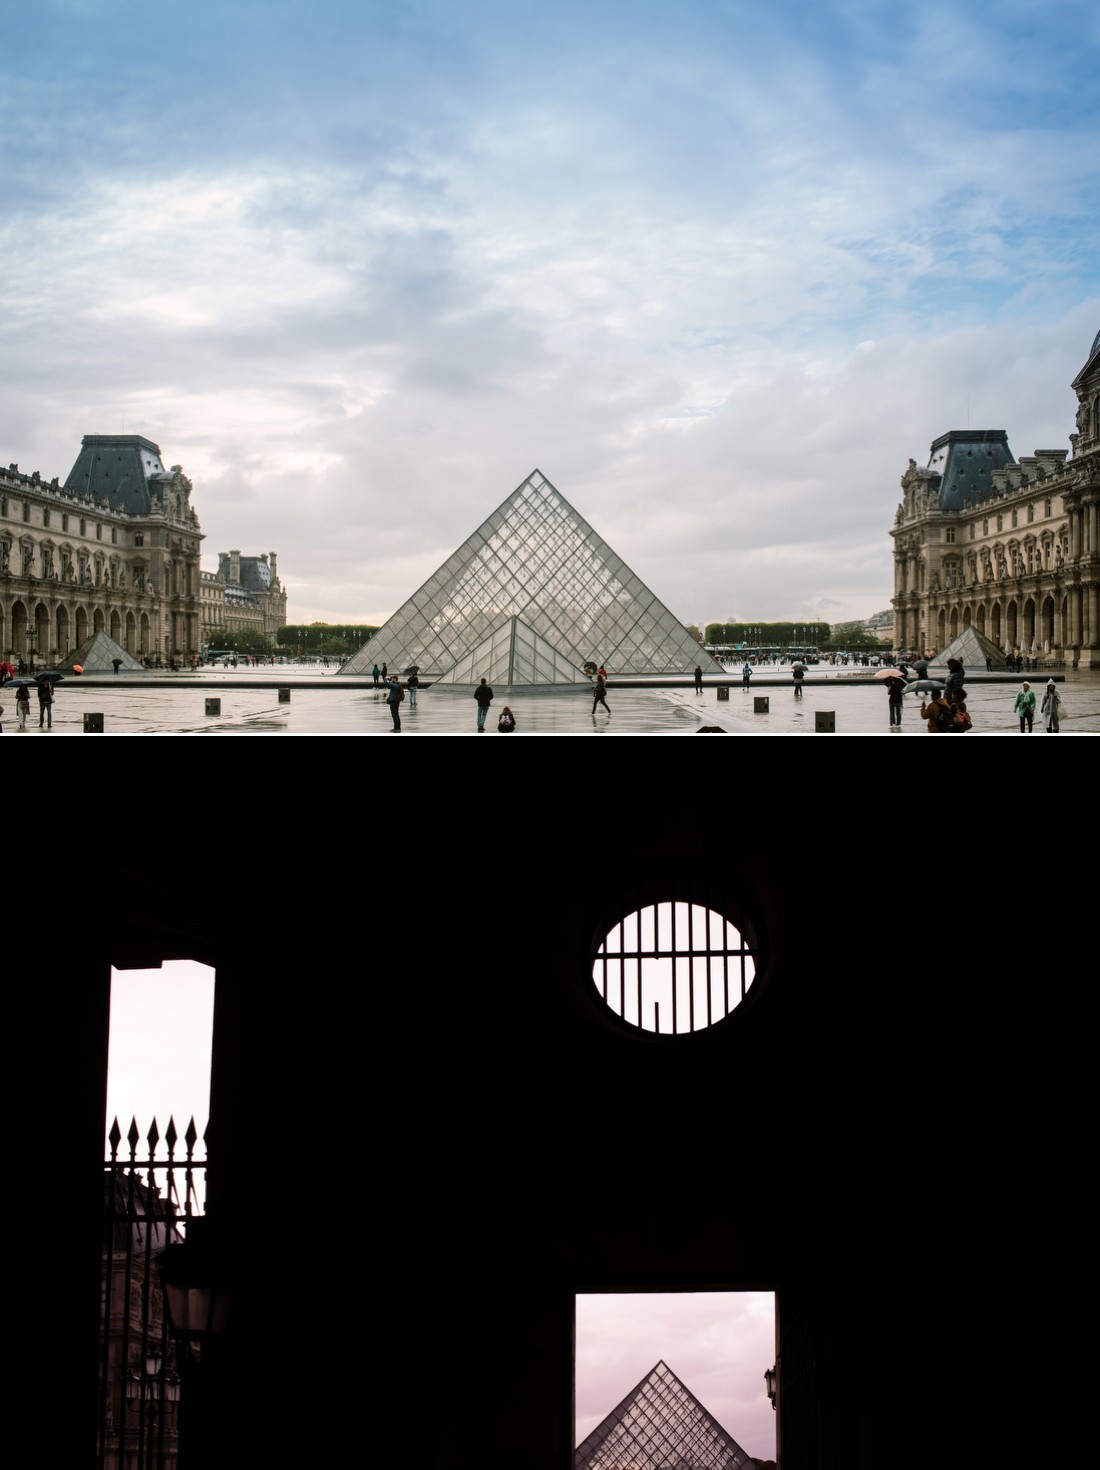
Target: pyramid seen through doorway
[[530, 598], [658, 1425]]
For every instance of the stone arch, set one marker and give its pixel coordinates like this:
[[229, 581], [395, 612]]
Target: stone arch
[[18, 630], [63, 625], [116, 625], [42, 643], [953, 623], [81, 624], [1046, 618], [1012, 621], [144, 643], [941, 624], [97, 620], [967, 616], [995, 624], [131, 633], [981, 618], [1030, 630]]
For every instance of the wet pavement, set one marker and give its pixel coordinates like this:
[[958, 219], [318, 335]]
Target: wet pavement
[[329, 704]]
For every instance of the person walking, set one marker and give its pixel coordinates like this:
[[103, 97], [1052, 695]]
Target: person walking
[[375, 671], [1025, 707], [412, 684], [393, 699], [45, 704], [1051, 708], [22, 705], [599, 694], [895, 689], [484, 696], [746, 674], [698, 678]]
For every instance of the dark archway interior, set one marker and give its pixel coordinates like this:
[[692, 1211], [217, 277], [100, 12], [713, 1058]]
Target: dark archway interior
[[427, 1136]]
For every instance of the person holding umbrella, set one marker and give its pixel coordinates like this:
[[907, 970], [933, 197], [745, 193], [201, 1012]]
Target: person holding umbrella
[[895, 690]]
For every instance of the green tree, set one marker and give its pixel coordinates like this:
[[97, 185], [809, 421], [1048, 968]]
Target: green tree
[[852, 635]]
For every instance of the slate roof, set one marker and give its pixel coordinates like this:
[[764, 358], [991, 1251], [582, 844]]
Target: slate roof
[[124, 468], [965, 460]]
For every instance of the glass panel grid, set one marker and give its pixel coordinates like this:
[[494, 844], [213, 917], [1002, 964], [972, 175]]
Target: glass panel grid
[[534, 558], [660, 1424]]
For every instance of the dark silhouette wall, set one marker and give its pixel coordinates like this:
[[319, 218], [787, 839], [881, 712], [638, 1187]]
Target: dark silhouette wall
[[428, 1135]]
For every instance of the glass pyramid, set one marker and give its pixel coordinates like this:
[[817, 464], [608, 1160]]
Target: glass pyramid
[[659, 1425], [530, 598]]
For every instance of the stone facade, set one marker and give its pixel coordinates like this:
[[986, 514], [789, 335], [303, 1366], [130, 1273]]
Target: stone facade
[[116, 548], [1010, 547], [253, 598]]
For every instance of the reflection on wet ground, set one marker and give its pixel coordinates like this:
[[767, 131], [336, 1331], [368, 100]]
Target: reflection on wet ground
[[324, 704]]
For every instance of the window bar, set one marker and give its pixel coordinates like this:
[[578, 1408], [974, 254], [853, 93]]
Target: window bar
[[691, 967], [673, 950], [725, 967], [638, 962], [710, 1007]]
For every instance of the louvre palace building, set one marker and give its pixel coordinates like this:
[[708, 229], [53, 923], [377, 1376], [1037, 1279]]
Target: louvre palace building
[[115, 549], [1010, 547]]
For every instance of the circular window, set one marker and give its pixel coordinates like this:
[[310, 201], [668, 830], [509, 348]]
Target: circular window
[[673, 968]]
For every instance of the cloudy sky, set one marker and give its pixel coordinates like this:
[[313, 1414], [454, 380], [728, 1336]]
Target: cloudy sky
[[717, 269]]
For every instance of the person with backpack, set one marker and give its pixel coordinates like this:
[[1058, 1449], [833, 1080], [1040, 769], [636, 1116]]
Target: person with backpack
[[393, 699]]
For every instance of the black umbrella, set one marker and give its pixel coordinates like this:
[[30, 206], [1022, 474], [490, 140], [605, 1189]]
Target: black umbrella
[[51, 674], [15, 683]]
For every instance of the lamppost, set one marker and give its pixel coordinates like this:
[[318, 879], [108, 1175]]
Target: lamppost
[[32, 634], [152, 1389]]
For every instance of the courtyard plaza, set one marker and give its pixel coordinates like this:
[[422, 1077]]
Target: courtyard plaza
[[322, 702]]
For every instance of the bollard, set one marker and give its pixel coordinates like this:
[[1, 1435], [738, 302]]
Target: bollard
[[213, 706], [284, 696], [93, 724], [723, 693], [760, 704], [825, 721]]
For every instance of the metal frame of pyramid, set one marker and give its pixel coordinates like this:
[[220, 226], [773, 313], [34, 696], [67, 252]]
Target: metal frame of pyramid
[[658, 1426], [528, 599]]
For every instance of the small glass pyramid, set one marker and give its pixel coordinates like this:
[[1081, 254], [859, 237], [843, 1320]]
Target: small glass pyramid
[[530, 598], [658, 1426]]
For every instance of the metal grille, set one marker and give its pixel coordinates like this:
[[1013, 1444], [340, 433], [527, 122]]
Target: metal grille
[[660, 1425], [147, 1204], [673, 968]]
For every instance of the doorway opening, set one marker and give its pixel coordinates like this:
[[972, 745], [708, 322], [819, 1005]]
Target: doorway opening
[[161, 1040], [154, 1184], [719, 1345]]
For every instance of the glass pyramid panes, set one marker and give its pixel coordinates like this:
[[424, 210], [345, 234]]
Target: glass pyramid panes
[[534, 574], [658, 1426], [513, 654]]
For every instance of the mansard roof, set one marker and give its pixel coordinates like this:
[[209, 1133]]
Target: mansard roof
[[1090, 361], [123, 468], [965, 460]]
